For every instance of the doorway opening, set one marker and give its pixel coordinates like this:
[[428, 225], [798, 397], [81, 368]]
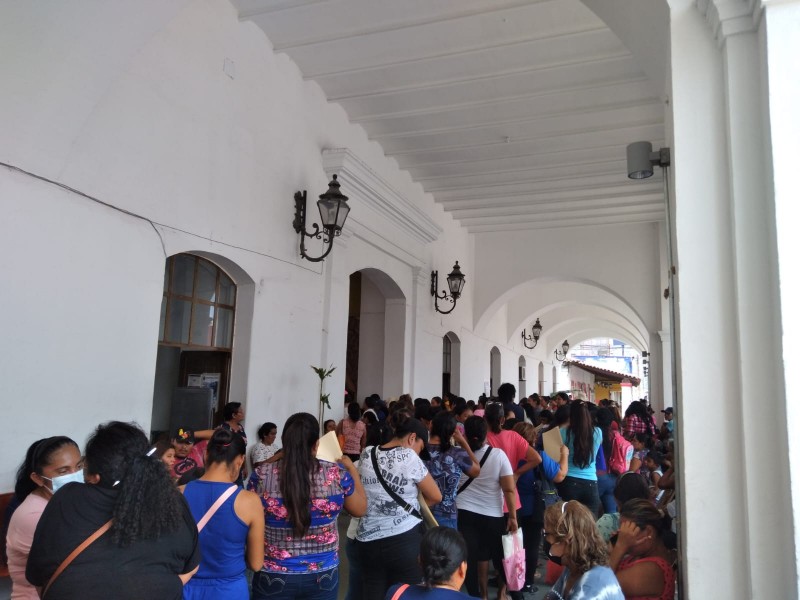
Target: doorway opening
[[451, 364], [494, 370], [521, 390], [376, 325]]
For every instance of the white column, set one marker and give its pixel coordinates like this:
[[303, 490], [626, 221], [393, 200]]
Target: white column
[[708, 412], [731, 403], [782, 24]]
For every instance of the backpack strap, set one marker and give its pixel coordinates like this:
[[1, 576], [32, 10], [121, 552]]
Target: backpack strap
[[400, 591], [465, 485], [410, 509], [215, 507], [75, 553]]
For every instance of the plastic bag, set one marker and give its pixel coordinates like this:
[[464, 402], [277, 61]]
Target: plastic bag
[[514, 560]]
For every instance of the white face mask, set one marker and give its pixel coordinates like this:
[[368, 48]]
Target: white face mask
[[62, 480]]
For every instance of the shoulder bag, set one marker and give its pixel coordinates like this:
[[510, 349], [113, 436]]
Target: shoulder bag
[[75, 553], [410, 509]]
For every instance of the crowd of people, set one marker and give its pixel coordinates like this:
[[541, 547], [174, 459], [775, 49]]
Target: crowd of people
[[429, 487]]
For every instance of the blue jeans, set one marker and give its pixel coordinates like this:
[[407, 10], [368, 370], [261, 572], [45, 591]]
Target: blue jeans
[[354, 572], [582, 490], [451, 522], [605, 489], [322, 585]]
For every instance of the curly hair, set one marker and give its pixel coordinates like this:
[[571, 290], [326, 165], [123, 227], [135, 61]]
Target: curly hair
[[574, 525], [148, 504]]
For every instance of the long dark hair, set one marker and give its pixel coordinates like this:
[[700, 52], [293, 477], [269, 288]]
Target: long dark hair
[[441, 552], [148, 504], [353, 411], [224, 447], [444, 426], [36, 458], [604, 417], [494, 415], [299, 435], [581, 432]]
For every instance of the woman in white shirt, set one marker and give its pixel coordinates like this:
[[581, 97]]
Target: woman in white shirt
[[480, 509], [389, 535]]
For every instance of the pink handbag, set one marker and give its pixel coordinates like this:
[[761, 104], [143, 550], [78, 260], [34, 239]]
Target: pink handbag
[[514, 561]]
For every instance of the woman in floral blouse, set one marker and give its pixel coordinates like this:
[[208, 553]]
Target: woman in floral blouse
[[302, 497]]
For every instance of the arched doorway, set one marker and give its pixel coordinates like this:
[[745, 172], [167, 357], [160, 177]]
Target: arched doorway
[[494, 370], [541, 378], [192, 380], [521, 390], [375, 335], [451, 364], [555, 380]]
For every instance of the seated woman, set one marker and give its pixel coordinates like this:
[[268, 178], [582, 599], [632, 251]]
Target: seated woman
[[150, 548], [641, 558], [629, 486], [575, 543], [233, 526], [443, 558]]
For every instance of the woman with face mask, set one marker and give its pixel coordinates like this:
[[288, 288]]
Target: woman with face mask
[[49, 464], [575, 543]]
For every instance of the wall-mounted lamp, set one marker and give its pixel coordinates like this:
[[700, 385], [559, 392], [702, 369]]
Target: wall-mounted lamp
[[536, 331], [455, 281], [560, 356], [642, 159], [333, 211]]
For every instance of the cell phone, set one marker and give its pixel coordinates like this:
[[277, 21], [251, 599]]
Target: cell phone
[[613, 539]]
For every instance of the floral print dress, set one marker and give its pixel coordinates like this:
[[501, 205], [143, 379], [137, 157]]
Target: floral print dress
[[318, 550]]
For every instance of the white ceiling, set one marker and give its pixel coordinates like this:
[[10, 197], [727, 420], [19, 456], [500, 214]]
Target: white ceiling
[[514, 114]]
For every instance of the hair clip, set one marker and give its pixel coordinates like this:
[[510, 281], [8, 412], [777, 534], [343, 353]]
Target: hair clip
[[564, 507], [150, 453]]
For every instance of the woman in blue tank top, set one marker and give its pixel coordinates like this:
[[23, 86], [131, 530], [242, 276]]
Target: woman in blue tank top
[[230, 521]]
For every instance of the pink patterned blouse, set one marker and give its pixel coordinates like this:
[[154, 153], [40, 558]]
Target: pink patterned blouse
[[318, 550]]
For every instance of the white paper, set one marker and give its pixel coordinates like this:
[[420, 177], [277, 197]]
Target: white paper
[[552, 443], [329, 448]]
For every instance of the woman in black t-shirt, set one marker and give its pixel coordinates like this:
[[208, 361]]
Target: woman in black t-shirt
[[151, 549]]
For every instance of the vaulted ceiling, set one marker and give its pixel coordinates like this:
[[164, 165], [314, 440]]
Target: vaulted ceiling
[[514, 114]]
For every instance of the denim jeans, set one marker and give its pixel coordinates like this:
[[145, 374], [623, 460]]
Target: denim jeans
[[390, 560], [605, 489], [322, 585], [354, 570], [582, 490], [451, 522]]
